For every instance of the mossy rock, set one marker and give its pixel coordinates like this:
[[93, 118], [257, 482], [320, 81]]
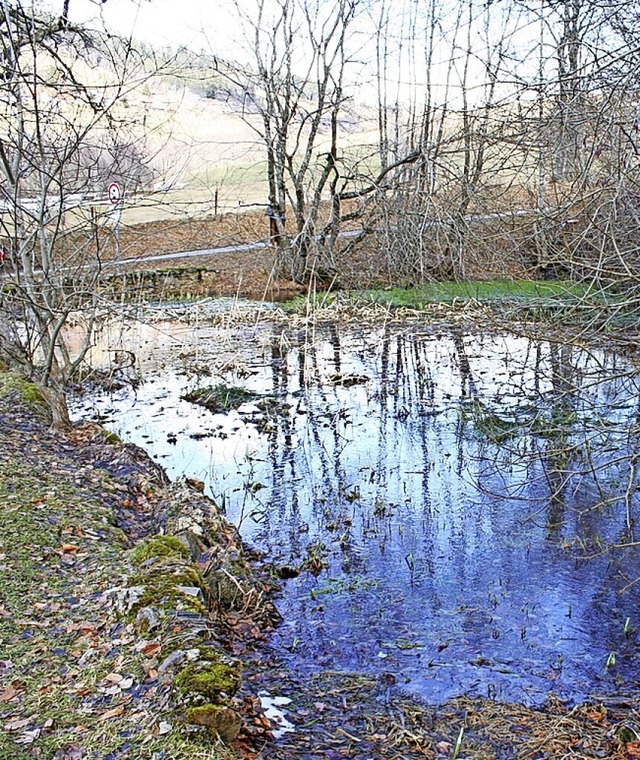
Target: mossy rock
[[222, 720], [194, 545], [149, 619], [209, 680], [229, 584], [208, 652], [159, 546], [162, 589], [182, 572], [28, 392], [220, 398]]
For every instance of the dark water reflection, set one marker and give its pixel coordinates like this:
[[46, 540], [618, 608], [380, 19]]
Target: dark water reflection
[[463, 496]]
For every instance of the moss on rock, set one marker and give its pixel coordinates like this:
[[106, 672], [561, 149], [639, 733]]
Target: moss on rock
[[208, 680], [168, 595], [113, 439], [164, 588], [219, 718], [159, 546]]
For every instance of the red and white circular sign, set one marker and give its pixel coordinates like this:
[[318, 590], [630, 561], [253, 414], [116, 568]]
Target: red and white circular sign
[[115, 193]]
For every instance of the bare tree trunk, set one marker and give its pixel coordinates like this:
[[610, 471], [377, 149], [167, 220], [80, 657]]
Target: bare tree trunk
[[57, 402]]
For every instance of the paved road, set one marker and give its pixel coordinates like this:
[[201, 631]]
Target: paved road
[[196, 254]]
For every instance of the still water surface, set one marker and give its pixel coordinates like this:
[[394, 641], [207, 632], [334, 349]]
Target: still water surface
[[462, 490]]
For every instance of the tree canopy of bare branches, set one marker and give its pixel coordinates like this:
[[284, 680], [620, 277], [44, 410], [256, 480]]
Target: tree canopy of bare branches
[[64, 136]]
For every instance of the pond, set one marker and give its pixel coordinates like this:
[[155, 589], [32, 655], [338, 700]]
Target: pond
[[461, 504]]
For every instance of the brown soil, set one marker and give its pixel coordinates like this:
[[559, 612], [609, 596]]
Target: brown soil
[[248, 274]]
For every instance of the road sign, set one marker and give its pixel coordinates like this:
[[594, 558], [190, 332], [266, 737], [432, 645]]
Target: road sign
[[115, 193]]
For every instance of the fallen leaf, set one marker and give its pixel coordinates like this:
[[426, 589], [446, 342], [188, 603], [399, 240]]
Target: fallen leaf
[[632, 749], [113, 713], [28, 737], [16, 725], [9, 693], [32, 623], [151, 650], [262, 720], [71, 753], [137, 716]]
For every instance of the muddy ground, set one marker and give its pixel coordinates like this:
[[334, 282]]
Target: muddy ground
[[248, 274]]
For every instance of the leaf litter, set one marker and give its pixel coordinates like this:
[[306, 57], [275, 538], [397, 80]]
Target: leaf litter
[[75, 680]]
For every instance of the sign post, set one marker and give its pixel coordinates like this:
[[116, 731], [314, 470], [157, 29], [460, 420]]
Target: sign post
[[115, 198]]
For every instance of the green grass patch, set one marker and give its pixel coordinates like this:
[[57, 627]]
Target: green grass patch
[[529, 293], [28, 393], [64, 655], [561, 292]]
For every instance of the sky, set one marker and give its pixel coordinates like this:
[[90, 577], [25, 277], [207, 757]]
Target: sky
[[215, 26], [197, 24]]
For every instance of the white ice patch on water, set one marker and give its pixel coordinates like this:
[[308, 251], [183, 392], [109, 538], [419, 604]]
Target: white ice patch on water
[[271, 706]]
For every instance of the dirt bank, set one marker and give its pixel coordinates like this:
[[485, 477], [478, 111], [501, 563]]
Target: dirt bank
[[250, 273], [243, 274], [116, 642]]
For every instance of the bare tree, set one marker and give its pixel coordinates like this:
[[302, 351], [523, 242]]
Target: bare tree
[[453, 122], [63, 137], [526, 141], [297, 86]]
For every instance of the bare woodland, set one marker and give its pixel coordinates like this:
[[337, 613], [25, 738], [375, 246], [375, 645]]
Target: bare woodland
[[65, 134], [506, 143], [507, 134]]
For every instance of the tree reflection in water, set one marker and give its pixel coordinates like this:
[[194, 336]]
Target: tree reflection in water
[[473, 495]]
